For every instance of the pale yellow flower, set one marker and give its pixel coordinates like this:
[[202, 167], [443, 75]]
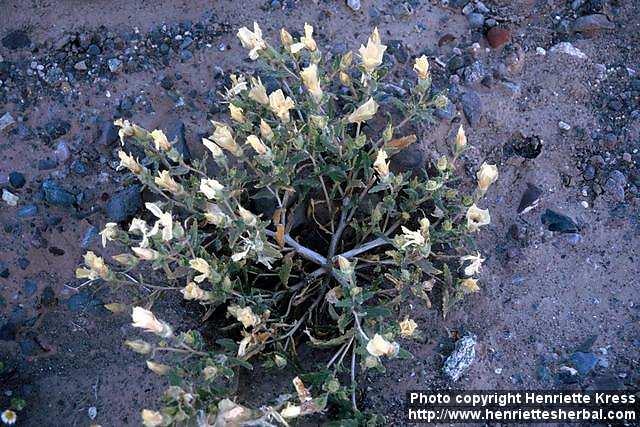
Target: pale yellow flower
[[345, 266], [257, 145], [238, 85], [265, 130], [470, 285], [408, 327], [286, 38], [194, 292], [424, 226], [381, 165], [474, 267], [248, 217], [244, 315], [109, 233], [412, 238], [374, 51], [224, 138], [160, 140], [139, 346], [364, 112], [291, 411], [165, 220], [145, 254], [144, 319], [310, 79], [258, 92], [210, 372], [211, 188], [96, 268], [213, 148], [487, 175], [214, 215], [127, 161], [306, 41], [201, 266], [461, 139], [421, 67], [252, 40], [280, 105], [477, 218], [165, 181], [344, 78], [237, 114], [9, 417], [158, 368], [128, 129], [140, 225], [152, 418], [378, 346]]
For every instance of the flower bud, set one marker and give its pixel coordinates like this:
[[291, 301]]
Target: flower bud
[[139, 346]]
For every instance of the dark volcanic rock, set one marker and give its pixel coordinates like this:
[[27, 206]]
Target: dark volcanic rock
[[472, 107], [56, 128], [16, 39], [592, 23], [530, 199], [558, 222], [176, 132], [584, 362], [124, 204], [108, 133], [56, 195], [16, 179]]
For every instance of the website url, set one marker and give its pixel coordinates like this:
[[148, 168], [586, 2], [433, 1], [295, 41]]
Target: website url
[[519, 415]]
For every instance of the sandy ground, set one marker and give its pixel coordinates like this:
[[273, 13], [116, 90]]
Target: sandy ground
[[544, 295]]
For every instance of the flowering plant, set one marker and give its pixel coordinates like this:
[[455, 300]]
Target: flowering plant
[[293, 230]]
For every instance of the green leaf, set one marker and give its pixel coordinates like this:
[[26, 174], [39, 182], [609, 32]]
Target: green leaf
[[378, 311]]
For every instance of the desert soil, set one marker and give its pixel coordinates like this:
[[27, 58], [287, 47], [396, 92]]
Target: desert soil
[[553, 100]]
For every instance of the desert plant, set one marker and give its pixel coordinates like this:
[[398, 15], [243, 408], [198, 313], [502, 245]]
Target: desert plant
[[293, 230]]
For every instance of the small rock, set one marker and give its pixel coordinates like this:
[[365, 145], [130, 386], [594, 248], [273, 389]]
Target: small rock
[[476, 20], [10, 198], [30, 287], [186, 55], [558, 222], [584, 362], [6, 121], [16, 39], [472, 107], [28, 211], [114, 65], [354, 4], [81, 66], [462, 357], [61, 153], [108, 133], [569, 49], [93, 50], [56, 195], [124, 204], [592, 23], [176, 133], [530, 199], [541, 51], [564, 126], [498, 37], [47, 164], [17, 180], [56, 128], [88, 237], [84, 300]]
